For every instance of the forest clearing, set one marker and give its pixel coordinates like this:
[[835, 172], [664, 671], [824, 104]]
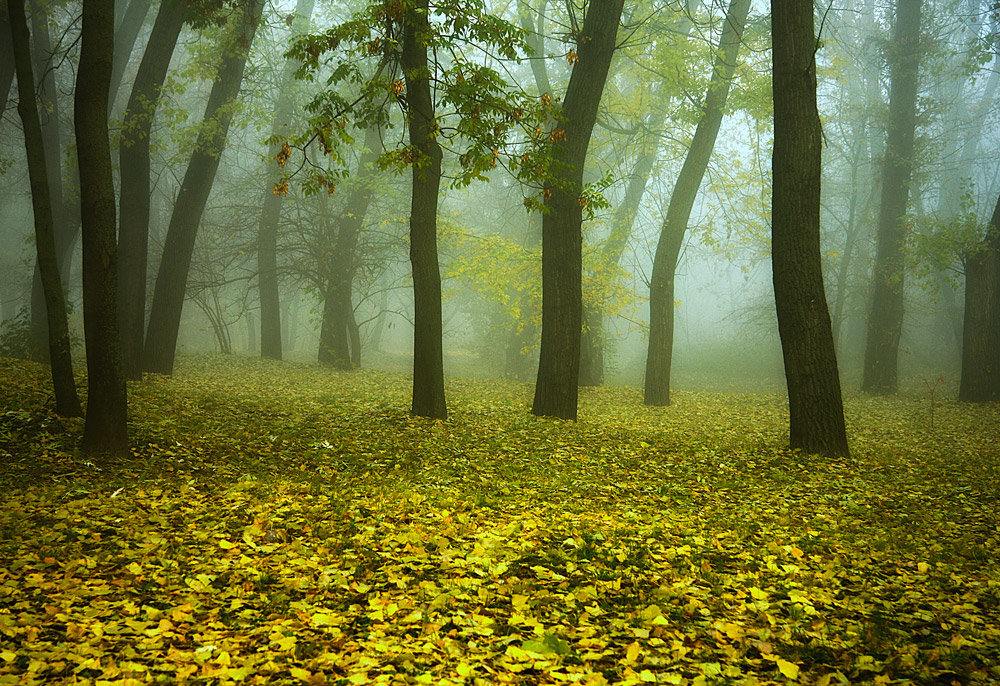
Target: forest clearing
[[282, 523]]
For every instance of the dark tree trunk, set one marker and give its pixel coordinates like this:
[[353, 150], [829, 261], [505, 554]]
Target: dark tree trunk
[[126, 34], [668, 247], [49, 109], [814, 400], [6, 58], [105, 430], [67, 401], [885, 319], [133, 238], [428, 356], [270, 214], [562, 240], [981, 334], [171, 278]]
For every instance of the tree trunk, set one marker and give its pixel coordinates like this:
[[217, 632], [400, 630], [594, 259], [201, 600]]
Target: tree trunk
[[345, 250], [49, 109], [171, 278], [428, 356], [133, 239], [562, 240], [885, 320], [593, 341], [270, 214], [814, 400], [668, 248], [105, 430], [126, 34], [980, 380], [67, 401]]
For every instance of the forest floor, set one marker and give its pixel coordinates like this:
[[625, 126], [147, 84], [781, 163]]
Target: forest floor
[[281, 523]]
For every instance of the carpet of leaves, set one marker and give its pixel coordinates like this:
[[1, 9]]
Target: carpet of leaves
[[281, 523]]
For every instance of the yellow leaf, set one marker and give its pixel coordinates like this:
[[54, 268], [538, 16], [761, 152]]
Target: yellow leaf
[[923, 567], [226, 545], [789, 669], [223, 658], [299, 673], [758, 594], [134, 568], [632, 653], [463, 669], [8, 656], [647, 676], [824, 680], [733, 631]]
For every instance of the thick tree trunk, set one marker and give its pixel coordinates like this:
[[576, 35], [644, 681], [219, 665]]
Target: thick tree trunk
[[270, 214], [67, 401], [126, 34], [105, 430], [885, 320], [814, 399], [133, 238], [562, 240], [980, 380], [668, 248], [171, 278], [428, 356]]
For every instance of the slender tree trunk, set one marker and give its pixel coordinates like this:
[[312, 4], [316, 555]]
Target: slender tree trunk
[[885, 320], [50, 116], [428, 355], [814, 400], [133, 239], [980, 380], [67, 401], [345, 251], [668, 247], [270, 214], [593, 341], [105, 430], [171, 279], [126, 34], [562, 240]]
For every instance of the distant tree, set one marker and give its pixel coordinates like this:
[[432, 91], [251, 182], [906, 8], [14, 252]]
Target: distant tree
[[339, 345], [562, 240], [67, 401], [980, 380], [134, 163], [171, 279], [127, 28], [105, 431], [814, 398], [885, 319], [270, 214], [668, 247]]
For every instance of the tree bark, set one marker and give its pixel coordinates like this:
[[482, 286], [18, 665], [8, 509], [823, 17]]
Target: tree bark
[[171, 279], [428, 355], [105, 430], [814, 399], [668, 248], [885, 320], [980, 381], [562, 240], [67, 401], [133, 239], [270, 214]]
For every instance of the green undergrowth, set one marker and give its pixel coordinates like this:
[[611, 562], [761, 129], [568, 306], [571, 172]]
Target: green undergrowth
[[281, 523]]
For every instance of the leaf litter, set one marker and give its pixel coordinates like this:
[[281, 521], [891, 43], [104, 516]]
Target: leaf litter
[[280, 523]]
